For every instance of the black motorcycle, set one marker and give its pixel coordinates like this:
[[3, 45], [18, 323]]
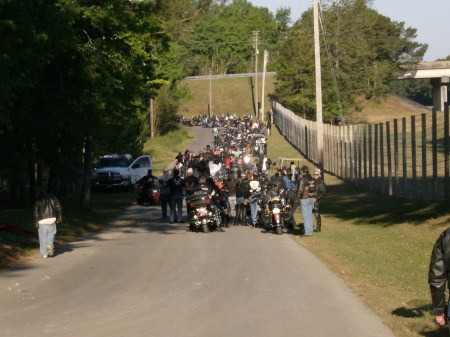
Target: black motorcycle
[[203, 213], [147, 192], [289, 201], [270, 213]]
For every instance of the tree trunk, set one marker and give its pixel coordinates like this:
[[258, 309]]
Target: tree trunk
[[87, 172]]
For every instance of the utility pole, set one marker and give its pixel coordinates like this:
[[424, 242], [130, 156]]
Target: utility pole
[[266, 59], [210, 96], [255, 39], [319, 117], [152, 119]]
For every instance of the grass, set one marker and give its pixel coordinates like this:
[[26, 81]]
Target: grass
[[379, 245], [163, 149], [228, 95]]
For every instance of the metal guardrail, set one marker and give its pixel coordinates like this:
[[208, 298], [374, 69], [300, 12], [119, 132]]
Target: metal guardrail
[[207, 77]]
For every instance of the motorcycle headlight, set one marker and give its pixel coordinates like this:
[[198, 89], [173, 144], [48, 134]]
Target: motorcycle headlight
[[276, 210]]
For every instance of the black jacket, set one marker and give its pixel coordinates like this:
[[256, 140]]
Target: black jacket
[[46, 206], [320, 190], [439, 271]]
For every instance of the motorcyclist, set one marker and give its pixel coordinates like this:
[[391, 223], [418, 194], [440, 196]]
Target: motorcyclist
[[214, 191], [148, 179], [191, 184], [144, 184], [319, 192], [252, 194]]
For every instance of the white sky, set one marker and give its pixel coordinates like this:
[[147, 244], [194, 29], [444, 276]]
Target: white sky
[[431, 19]]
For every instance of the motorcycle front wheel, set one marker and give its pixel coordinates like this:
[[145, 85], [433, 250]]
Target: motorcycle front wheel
[[279, 230], [205, 228]]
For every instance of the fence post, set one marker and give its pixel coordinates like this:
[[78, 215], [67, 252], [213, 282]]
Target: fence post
[[446, 154], [424, 157], [359, 165], [375, 150], [414, 156], [405, 171], [350, 152], [370, 158], [382, 184], [396, 159], [366, 183], [389, 156], [434, 150]]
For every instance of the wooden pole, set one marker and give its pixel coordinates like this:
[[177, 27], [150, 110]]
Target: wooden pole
[[319, 117]]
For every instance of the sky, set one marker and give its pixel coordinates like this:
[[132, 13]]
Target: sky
[[430, 18]]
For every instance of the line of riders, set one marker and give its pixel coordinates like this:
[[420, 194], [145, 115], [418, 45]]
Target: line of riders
[[235, 175]]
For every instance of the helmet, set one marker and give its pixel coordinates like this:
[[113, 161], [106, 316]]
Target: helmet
[[304, 169]]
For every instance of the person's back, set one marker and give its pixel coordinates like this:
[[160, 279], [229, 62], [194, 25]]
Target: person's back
[[439, 276], [47, 212]]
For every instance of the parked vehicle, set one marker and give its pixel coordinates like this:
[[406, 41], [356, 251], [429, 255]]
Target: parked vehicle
[[203, 212], [118, 171]]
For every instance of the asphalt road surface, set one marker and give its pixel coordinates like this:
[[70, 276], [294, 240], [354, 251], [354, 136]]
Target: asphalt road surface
[[146, 278]]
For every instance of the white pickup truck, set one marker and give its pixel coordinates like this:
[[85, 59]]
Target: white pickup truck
[[115, 171]]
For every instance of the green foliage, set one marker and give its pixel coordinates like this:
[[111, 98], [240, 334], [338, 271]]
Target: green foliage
[[75, 69], [417, 90], [360, 51], [221, 40]]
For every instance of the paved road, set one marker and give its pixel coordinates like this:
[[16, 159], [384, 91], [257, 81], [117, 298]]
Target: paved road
[[146, 278]]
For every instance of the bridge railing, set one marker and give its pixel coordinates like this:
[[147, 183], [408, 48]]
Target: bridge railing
[[406, 158]]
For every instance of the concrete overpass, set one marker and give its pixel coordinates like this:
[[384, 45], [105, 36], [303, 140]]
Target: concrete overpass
[[439, 74]]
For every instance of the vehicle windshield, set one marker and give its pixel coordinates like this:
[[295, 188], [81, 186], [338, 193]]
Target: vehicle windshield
[[112, 162]]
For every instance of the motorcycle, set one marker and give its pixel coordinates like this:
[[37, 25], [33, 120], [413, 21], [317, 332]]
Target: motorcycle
[[203, 213], [289, 200], [225, 208], [271, 212], [147, 192]]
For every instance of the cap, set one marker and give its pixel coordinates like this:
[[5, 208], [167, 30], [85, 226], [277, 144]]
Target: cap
[[190, 170], [317, 170]]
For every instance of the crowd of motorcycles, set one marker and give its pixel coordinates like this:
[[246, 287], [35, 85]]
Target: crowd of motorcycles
[[237, 144]]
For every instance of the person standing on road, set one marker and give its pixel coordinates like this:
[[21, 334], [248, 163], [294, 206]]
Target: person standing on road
[[47, 213], [306, 188], [191, 185], [439, 276], [252, 194], [177, 187], [240, 188], [318, 195], [164, 193]]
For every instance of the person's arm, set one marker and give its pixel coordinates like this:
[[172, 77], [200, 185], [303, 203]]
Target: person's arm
[[321, 191], [437, 278], [300, 189]]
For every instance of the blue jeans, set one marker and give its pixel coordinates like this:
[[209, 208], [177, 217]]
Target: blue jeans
[[176, 202], [46, 236], [307, 208], [254, 207], [164, 200]]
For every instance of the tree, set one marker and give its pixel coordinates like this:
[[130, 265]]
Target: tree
[[361, 51]]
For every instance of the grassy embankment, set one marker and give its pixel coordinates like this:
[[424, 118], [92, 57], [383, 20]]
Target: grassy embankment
[[229, 95], [77, 220], [379, 245]]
